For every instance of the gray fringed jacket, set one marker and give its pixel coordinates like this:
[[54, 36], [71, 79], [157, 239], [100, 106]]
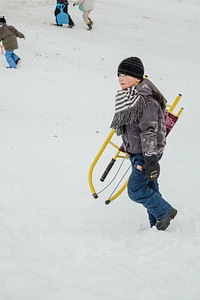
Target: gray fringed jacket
[[145, 131]]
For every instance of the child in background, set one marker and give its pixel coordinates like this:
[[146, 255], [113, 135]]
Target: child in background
[[62, 15], [87, 7], [8, 36]]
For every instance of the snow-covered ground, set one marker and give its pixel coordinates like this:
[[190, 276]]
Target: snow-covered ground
[[56, 241]]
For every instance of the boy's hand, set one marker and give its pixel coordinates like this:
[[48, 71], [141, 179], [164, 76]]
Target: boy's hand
[[151, 167]]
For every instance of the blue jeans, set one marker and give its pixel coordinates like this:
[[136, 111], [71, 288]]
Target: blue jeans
[[146, 192], [11, 58]]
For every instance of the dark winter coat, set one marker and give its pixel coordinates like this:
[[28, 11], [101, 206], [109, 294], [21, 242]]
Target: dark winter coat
[[146, 135], [8, 35]]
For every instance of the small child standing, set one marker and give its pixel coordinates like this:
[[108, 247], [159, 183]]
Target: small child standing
[[87, 7], [8, 35]]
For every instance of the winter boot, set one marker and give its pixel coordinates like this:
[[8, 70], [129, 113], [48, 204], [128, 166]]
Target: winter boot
[[90, 24], [18, 61], [164, 223]]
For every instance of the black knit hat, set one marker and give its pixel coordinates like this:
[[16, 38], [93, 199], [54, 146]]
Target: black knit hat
[[131, 66], [2, 20]]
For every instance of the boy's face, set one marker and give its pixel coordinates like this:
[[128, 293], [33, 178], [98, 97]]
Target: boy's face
[[127, 81]]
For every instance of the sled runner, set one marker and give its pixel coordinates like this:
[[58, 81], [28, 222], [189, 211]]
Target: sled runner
[[170, 119]]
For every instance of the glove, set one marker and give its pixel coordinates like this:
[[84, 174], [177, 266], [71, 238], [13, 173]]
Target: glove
[[151, 167]]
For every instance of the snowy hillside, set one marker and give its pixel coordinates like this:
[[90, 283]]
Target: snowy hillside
[[56, 241]]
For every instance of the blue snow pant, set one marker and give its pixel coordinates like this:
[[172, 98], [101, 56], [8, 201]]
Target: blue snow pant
[[11, 58], [146, 192]]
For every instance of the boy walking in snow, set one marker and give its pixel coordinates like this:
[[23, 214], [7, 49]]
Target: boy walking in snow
[[87, 7], [8, 35], [139, 119]]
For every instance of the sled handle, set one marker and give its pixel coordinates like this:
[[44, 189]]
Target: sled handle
[[107, 170]]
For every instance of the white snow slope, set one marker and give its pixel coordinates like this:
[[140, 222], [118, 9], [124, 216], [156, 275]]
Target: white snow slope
[[56, 241]]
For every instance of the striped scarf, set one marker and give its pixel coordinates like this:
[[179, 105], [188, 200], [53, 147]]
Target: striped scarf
[[128, 108]]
